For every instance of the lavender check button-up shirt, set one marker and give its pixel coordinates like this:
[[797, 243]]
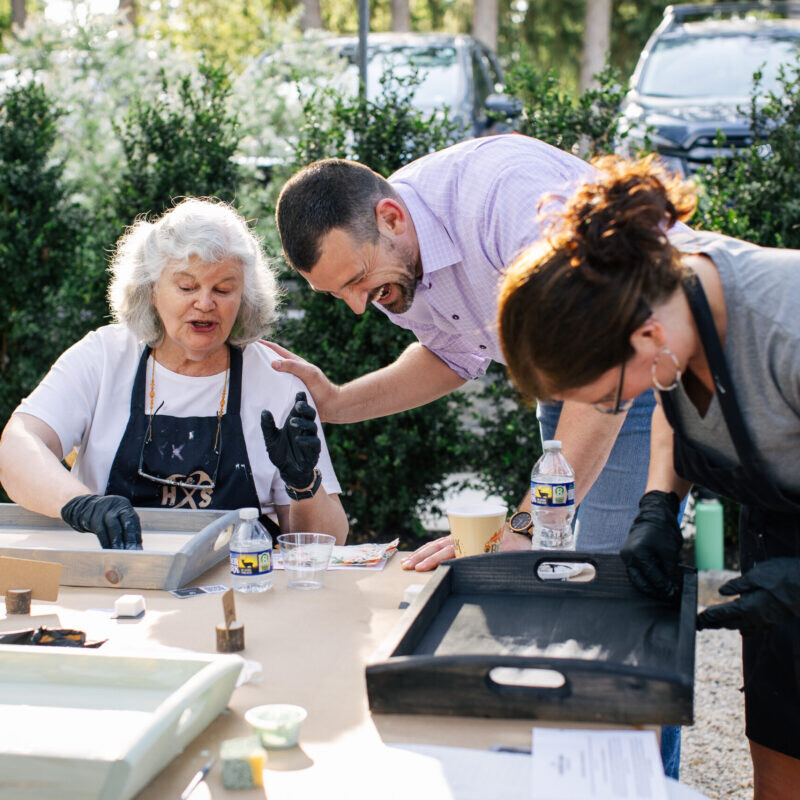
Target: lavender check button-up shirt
[[474, 208]]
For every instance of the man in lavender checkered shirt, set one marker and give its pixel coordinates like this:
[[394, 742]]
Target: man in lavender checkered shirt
[[427, 248]]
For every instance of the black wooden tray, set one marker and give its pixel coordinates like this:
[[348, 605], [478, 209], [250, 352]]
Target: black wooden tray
[[620, 657]]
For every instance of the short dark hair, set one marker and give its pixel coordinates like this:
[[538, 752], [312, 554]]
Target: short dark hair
[[332, 193]]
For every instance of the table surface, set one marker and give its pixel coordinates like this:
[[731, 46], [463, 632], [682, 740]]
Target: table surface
[[312, 647]]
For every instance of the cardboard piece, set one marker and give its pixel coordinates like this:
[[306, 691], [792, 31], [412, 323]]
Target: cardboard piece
[[229, 607], [42, 577]]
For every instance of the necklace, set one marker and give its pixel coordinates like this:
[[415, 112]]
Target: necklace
[[153, 399]]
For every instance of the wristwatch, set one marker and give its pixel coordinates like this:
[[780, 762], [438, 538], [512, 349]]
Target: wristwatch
[[521, 522], [309, 491]]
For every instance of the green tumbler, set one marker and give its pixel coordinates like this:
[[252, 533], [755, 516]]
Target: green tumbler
[[708, 543]]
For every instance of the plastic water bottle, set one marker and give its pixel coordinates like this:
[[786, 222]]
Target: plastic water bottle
[[552, 500], [251, 554]]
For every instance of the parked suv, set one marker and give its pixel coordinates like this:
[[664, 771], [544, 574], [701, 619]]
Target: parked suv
[[695, 75]]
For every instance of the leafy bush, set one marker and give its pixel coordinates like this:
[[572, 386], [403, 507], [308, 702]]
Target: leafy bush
[[94, 68], [754, 195], [40, 237], [268, 95], [386, 466], [585, 125], [179, 143], [384, 134]]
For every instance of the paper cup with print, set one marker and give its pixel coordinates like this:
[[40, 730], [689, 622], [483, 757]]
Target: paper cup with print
[[476, 528]]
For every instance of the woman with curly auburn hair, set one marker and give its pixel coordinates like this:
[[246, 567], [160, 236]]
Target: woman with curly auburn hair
[[175, 405], [608, 307]]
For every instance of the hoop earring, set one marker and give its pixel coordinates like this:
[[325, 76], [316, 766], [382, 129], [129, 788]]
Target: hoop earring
[[676, 380]]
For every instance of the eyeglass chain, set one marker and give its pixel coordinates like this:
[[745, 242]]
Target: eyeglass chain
[[221, 402]]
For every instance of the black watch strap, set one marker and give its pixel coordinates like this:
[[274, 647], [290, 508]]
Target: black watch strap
[[310, 491]]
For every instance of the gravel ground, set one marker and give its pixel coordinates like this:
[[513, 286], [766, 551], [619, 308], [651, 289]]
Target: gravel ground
[[715, 758]]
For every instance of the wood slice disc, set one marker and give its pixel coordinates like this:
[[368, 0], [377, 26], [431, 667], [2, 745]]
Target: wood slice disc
[[18, 601], [230, 640]]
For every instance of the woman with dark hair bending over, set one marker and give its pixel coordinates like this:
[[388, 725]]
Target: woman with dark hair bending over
[[607, 307]]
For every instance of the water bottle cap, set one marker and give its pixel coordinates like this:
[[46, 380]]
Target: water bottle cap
[[248, 513], [551, 445]]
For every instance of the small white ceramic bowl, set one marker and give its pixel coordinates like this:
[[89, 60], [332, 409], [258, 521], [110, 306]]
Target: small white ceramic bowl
[[277, 724]]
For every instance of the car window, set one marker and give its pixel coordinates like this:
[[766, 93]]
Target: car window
[[437, 67], [714, 65]]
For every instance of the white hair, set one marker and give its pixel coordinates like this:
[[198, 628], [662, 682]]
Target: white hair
[[209, 230]]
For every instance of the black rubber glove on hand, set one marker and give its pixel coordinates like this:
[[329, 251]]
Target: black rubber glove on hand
[[769, 594], [653, 546], [294, 449], [110, 517]]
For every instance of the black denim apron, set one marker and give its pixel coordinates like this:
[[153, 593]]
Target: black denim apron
[[182, 449], [769, 527]]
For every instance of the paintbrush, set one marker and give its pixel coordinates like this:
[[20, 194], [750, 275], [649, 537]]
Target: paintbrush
[[197, 779]]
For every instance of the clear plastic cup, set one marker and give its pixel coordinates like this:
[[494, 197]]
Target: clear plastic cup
[[305, 558]]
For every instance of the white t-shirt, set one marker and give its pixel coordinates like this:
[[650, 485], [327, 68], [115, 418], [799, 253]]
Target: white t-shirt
[[86, 396]]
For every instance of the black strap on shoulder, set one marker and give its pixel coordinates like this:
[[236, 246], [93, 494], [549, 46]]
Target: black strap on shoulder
[[235, 387], [718, 365], [137, 395]]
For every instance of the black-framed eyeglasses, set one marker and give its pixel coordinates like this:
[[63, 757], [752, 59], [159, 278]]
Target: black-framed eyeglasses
[[618, 405], [170, 481]]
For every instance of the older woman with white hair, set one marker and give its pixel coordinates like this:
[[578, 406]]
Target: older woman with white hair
[[175, 405]]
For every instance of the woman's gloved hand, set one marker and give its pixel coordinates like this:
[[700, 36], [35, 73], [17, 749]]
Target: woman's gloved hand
[[294, 449], [653, 546], [110, 517], [769, 593]]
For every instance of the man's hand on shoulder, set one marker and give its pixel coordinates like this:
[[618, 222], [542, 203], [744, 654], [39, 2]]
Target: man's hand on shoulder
[[324, 391]]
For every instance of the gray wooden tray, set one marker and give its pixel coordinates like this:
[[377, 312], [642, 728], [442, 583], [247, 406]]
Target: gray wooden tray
[[488, 638], [178, 546]]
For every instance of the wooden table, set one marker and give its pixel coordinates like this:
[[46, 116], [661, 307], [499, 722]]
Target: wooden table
[[313, 647]]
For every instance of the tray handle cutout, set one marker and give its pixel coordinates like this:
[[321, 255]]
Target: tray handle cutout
[[561, 569], [186, 726], [527, 680], [223, 538]]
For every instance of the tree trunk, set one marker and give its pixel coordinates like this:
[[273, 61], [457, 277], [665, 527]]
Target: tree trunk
[[596, 40], [484, 22], [401, 16], [128, 8], [17, 14], [312, 15]]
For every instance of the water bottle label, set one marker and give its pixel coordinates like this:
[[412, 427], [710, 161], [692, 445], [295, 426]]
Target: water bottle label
[[553, 494], [259, 563]]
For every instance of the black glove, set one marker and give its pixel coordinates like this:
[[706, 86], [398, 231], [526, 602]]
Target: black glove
[[294, 449], [110, 517], [653, 546], [769, 594]]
